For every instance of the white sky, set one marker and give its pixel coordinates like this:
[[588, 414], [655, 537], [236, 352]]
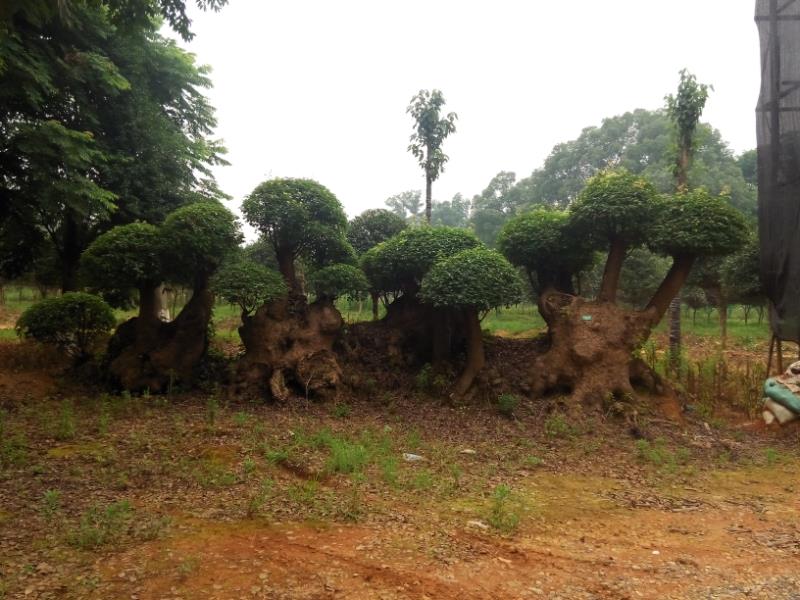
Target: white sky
[[319, 89]]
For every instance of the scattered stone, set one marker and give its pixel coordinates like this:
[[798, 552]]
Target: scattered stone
[[412, 457]]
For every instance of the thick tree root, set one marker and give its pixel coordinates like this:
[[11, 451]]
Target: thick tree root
[[289, 350], [154, 355], [592, 344]]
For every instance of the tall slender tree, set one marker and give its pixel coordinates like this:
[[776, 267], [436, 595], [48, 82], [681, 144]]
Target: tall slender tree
[[430, 130], [684, 110]]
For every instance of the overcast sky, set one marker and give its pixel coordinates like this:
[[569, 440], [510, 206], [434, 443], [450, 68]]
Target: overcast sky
[[319, 89]]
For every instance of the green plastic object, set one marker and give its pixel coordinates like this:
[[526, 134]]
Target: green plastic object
[[782, 395]]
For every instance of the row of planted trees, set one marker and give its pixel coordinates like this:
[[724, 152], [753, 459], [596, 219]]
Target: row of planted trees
[[436, 282]]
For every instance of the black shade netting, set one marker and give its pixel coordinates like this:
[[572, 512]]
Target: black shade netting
[[778, 131]]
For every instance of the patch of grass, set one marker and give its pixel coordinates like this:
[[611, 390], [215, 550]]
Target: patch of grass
[[248, 465], [507, 404], [423, 480], [240, 419], [346, 457], [257, 501], [102, 526], [342, 410], [187, 567], [51, 505], [422, 380], [388, 466], [212, 409], [504, 511], [658, 454], [278, 456], [65, 424], [772, 457], [533, 461], [13, 448], [305, 493], [557, 426]]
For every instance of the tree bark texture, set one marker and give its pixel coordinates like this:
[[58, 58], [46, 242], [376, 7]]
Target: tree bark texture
[[147, 353], [591, 347], [611, 273], [476, 358], [289, 349]]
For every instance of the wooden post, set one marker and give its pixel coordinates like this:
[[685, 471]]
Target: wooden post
[[769, 355]]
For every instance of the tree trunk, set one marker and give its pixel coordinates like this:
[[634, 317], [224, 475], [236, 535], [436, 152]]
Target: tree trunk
[[287, 269], [671, 286], [375, 296], [475, 355], [70, 253], [611, 273], [675, 333], [146, 353], [428, 200], [591, 347], [289, 350], [684, 158]]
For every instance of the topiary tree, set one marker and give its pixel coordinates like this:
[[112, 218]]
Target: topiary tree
[[400, 263], [128, 256], [247, 284], [369, 229], [73, 322], [372, 227], [188, 248], [195, 240], [690, 225], [614, 212], [472, 281], [334, 281], [741, 276], [592, 341], [396, 268], [542, 244], [296, 216]]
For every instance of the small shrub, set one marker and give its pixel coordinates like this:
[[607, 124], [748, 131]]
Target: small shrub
[[507, 404], [73, 322], [503, 514]]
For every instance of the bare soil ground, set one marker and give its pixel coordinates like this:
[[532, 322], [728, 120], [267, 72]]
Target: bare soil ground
[[198, 496]]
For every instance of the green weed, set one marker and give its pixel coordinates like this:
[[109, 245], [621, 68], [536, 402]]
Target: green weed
[[101, 526], [65, 427], [51, 505], [507, 404], [504, 512], [557, 426], [342, 410], [346, 457]]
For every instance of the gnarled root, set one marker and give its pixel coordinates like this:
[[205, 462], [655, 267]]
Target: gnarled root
[[289, 349]]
